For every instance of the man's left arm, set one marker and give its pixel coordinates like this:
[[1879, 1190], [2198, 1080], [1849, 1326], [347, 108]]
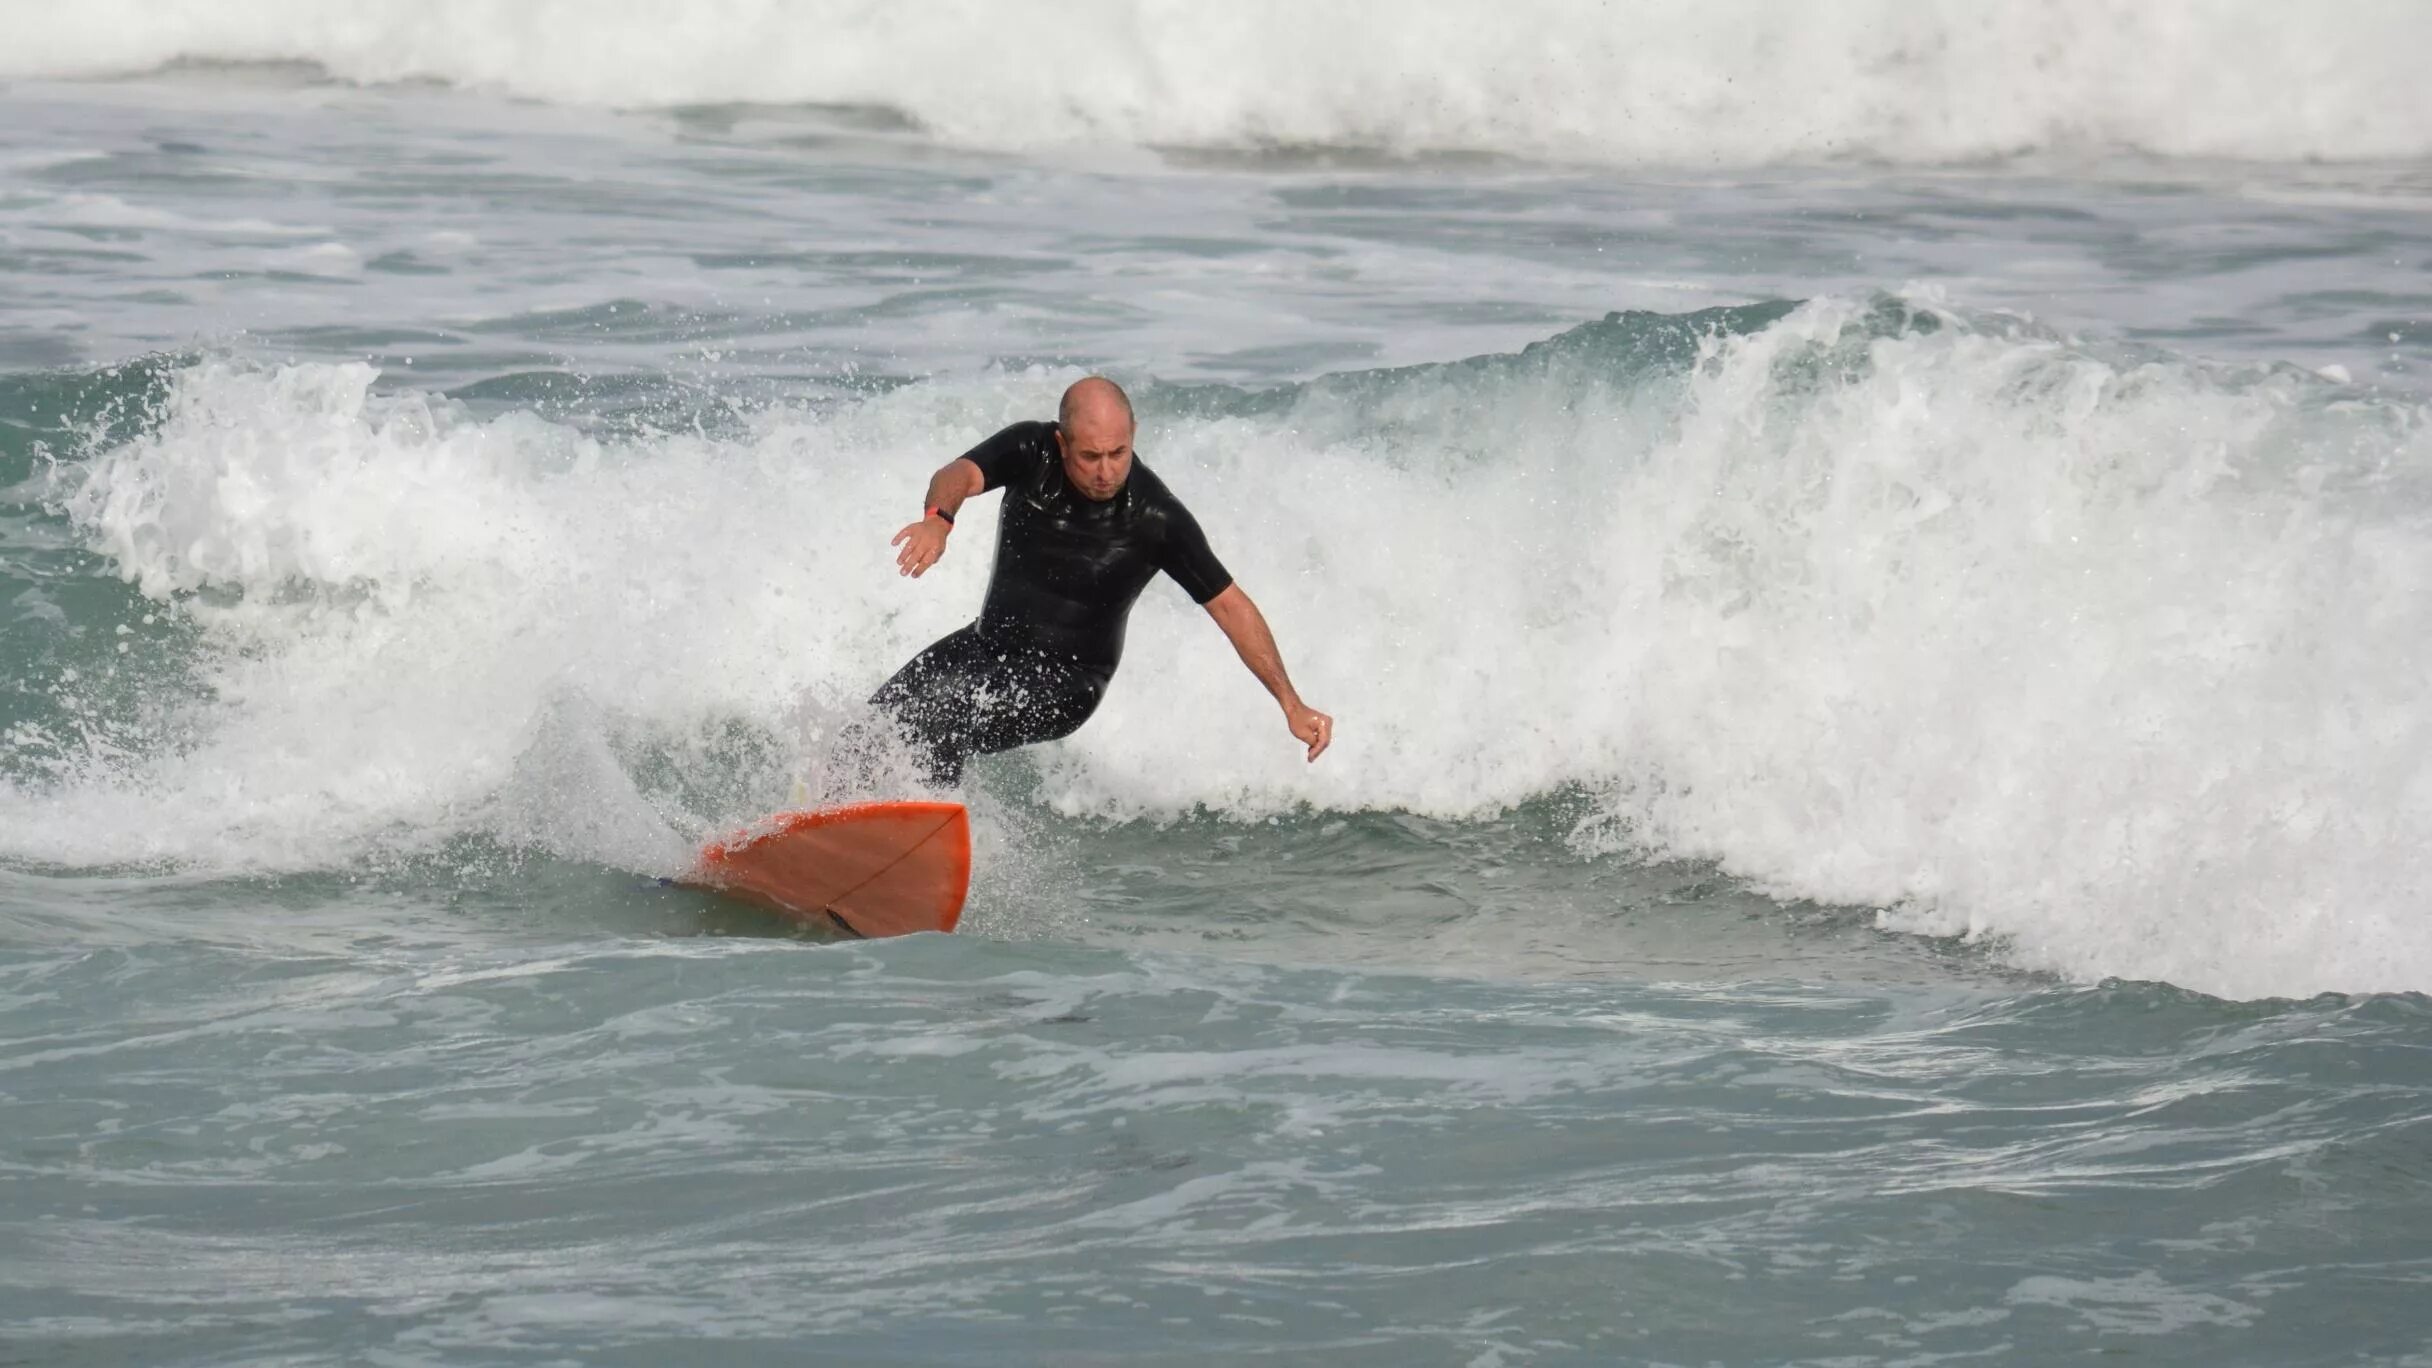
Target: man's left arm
[[1246, 628]]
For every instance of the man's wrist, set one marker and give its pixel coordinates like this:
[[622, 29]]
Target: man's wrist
[[938, 512]]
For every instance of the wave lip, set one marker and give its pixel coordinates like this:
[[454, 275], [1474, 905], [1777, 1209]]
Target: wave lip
[[1737, 82]]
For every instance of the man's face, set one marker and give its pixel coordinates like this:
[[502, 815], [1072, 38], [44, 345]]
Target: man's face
[[1097, 453]]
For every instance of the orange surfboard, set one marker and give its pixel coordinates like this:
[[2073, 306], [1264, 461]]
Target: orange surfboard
[[870, 869]]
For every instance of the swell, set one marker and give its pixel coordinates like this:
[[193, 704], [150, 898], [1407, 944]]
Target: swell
[[1677, 83]]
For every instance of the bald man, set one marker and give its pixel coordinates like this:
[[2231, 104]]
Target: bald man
[[1086, 526]]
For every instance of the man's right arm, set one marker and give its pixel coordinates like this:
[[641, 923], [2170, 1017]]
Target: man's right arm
[[924, 541], [1015, 453], [954, 482]]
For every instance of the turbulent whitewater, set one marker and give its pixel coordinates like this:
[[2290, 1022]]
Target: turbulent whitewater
[[2117, 659]]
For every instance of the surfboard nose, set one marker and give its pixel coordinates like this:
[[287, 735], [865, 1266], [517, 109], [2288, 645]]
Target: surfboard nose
[[876, 869]]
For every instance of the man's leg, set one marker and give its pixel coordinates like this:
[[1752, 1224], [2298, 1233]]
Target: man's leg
[[930, 702], [966, 696], [1046, 699]]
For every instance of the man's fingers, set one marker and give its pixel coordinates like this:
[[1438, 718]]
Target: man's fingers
[[1322, 728], [915, 557]]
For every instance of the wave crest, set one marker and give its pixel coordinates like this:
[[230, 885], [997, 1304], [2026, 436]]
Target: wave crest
[[1691, 82], [2114, 658]]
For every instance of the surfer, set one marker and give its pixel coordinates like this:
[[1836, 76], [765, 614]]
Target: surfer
[[1085, 527]]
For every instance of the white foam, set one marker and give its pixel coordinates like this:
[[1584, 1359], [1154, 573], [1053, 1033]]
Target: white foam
[[331, 260], [431, 614], [89, 210], [1691, 82], [2120, 662]]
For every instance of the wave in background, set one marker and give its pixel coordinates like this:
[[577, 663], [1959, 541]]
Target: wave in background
[[1688, 82], [2118, 659]]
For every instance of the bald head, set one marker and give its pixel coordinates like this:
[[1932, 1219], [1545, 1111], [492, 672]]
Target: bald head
[[1094, 400], [1094, 430]]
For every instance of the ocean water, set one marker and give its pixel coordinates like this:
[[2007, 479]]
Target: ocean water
[[1873, 564]]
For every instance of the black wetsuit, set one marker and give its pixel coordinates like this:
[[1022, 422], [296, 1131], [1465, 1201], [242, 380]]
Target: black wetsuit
[[1050, 631]]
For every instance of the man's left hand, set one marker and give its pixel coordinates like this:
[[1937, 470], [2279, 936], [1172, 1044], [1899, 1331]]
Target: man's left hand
[[1311, 726]]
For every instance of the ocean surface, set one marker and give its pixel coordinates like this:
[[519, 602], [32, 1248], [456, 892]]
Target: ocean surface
[[1872, 562]]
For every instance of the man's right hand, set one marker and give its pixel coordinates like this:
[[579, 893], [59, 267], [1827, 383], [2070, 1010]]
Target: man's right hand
[[922, 542]]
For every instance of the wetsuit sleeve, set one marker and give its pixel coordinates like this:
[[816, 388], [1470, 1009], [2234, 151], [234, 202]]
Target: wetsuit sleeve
[[1015, 454], [1187, 558]]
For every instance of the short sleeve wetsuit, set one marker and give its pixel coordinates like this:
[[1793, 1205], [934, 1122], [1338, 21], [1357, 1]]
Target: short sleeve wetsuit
[[1050, 631]]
